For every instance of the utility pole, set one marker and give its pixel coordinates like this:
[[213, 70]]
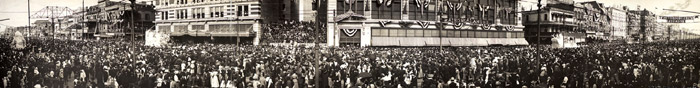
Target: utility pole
[[132, 27], [668, 32], [539, 22], [53, 29], [441, 26], [29, 18], [83, 20], [317, 61]]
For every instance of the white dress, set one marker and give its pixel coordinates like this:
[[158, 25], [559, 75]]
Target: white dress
[[214, 79]]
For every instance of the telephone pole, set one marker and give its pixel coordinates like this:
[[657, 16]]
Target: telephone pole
[[29, 18], [539, 22], [132, 27]]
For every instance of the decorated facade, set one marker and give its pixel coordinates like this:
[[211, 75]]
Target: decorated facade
[[113, 18], [554, 21], [211, 20], [424, 23], [647, 24], [618, 22]]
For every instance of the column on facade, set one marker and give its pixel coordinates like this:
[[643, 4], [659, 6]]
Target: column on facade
[[331, 25], [365, 38]]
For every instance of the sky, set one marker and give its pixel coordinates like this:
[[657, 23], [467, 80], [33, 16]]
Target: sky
[[16, 9]]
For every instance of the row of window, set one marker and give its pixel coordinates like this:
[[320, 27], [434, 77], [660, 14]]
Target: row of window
[[198, 13], [212, 28], [217, 11], [180, 2], [414, 12], [445, 33], [214, 12], [181, 14]]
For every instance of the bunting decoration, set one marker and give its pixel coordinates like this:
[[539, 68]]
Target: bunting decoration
[[383, 23], [423, 24], [485, 27], [406, 23], [350, 32], [509, 28], [458, 25]]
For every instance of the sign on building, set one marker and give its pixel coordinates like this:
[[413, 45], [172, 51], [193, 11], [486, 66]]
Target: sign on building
[[678, 19]]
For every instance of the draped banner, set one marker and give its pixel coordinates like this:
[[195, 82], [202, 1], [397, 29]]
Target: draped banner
[[423, 24], [350, 32], [383, 23]]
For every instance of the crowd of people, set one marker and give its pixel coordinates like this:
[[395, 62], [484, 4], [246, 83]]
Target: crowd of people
[[293, 32], [56, 63]]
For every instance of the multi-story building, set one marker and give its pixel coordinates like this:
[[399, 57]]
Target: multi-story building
[[633, 25], [597, 20], [647, 24], [555, 19], [215, 20], [424, 22], [618, 21], [300, 10], [113, 18]]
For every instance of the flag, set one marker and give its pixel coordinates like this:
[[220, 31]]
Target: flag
[[419, 3], [458, 6], [388, 2], [425, 4], [380, 2]]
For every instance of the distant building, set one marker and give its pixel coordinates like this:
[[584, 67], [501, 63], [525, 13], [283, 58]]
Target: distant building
[[212, 20], [647, 24], [633, 25], [618, 21], [597, 20]]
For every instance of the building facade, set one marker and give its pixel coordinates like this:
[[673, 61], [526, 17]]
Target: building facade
[[647, 24], [597, 21], [211, 20], [618, 22], [424, 23], [113, 18], [633, 25], [553, 20]]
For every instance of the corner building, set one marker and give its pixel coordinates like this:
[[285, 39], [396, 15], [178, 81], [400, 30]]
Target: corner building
[[213, 20], [424, 23]]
